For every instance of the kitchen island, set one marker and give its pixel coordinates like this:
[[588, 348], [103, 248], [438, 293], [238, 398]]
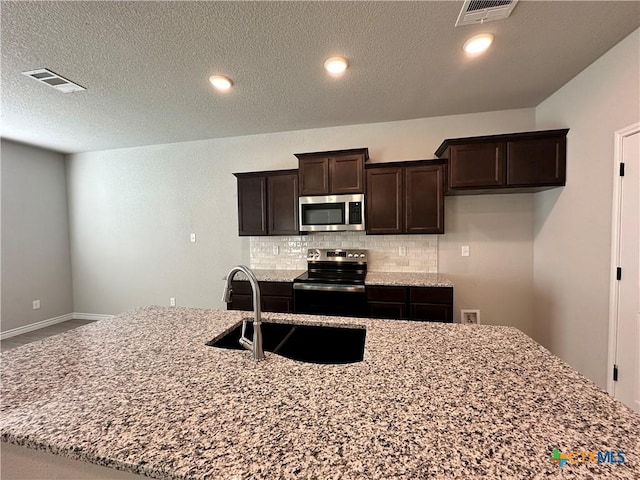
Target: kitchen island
[[141, 392]]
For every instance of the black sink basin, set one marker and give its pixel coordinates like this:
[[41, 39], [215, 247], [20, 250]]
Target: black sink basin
[[305, 343]]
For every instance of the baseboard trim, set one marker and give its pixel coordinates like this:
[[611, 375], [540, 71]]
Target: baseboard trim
[[52, 321], [90, 316], [35, 326]]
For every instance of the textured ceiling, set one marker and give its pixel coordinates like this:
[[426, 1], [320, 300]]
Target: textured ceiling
[[146, 65]]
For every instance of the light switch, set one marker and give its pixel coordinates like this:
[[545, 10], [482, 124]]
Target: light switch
[[465, 250], [193, 238]]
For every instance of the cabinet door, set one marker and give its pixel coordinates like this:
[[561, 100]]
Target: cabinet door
[[240, 302], [536, 162], [387, 302], [314, 176], [424, 199], [277, 304], [346, 174], [390, 310], [477, 165], [431, 312], [252, 208], [283, 204], [384, 200]]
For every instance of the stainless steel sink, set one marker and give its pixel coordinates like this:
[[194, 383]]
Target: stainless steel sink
[[326, 344]]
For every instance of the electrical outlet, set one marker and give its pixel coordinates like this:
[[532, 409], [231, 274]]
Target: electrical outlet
[[172, 302], [193, 238], [36, 304], [276, 250], [465, 250], [470, 317], [402, 251]]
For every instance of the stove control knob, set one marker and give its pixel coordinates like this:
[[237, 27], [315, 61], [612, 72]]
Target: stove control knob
[[362, 255], [349, 254]]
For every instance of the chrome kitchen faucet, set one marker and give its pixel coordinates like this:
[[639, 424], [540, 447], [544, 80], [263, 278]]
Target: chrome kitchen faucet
[[254, 346]]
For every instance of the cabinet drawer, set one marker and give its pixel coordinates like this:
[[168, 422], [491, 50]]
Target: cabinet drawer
[[240, 287], [392, 310], [443, 295], [267, 304], [431, 313], [387, 294], [282, 289]]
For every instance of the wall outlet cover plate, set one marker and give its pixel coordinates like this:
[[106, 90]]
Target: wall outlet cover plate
[[470, 317]]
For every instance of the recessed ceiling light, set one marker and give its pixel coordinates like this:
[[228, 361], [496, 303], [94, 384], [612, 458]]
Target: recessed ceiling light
[[220, 82], [478, 43], [336, 65]]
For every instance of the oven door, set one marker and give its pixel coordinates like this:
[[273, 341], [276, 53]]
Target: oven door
[[329, 299]]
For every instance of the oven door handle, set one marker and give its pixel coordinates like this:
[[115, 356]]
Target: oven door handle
[[328, 287]]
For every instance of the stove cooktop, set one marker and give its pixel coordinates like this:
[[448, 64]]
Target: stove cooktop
[[336, 266]]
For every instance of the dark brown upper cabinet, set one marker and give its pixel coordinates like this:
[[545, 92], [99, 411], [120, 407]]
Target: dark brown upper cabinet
[[334, 172], [385, 200], [515, 162], [405, 197], [268, 203]]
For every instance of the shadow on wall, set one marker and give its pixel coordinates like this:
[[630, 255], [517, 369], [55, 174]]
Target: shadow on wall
[[544, 203], [544, 329]]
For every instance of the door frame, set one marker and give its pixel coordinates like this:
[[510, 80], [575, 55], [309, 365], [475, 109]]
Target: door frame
[[619, 137]]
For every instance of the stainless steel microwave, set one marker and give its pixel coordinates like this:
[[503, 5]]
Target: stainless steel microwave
[[332, 213]]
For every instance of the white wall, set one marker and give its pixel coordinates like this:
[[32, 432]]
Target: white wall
[[36, 262], [572, 245], [131, 212]]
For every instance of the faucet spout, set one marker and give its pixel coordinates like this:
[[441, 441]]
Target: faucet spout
[[254, 345]]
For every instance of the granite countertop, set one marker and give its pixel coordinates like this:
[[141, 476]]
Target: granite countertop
[[142, 392], [271, 275], [411, 279]]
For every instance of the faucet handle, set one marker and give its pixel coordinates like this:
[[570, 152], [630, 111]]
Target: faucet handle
[[226, 295], [244, 341]]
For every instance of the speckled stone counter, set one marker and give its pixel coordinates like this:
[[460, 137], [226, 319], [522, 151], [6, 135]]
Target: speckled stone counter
[[410, 279], [272, 275], [142, 392]]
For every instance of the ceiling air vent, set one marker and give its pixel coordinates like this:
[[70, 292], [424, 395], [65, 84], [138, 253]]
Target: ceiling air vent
[[482, 11], [54, 80]]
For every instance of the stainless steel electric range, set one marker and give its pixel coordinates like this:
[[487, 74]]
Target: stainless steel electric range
[[333, 283]]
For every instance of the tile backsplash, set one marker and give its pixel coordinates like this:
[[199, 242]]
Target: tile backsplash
[[383, 251]]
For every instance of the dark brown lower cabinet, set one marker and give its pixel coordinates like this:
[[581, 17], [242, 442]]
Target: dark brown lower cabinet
[[275, 296], [432, 304], [387, 302]]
